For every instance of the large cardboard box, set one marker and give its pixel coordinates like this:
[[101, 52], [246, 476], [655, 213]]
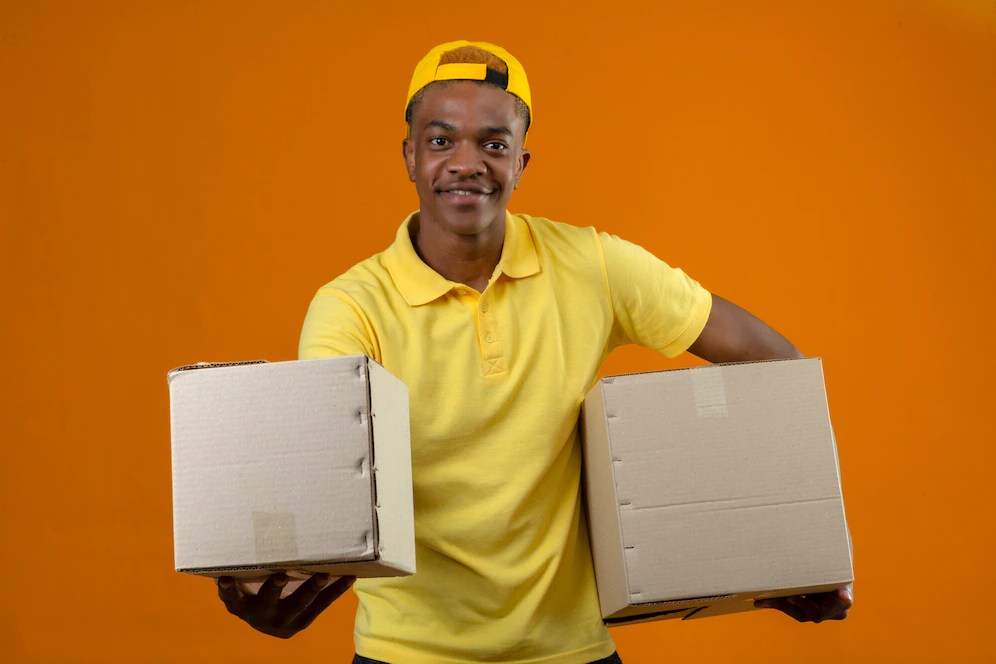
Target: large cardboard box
[[299, 466], [711, 487]]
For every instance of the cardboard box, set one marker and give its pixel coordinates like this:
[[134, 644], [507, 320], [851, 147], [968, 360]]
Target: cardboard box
[[711, 487], [299, 466]]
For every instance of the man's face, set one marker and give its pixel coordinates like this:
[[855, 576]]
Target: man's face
[[465, 154]]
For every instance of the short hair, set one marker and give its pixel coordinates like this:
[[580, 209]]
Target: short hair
[[472, 55]]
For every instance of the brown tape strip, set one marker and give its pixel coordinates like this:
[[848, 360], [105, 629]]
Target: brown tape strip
[[709, 389], [275, 535]]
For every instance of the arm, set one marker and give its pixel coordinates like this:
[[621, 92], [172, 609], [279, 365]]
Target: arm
[[732, 334]]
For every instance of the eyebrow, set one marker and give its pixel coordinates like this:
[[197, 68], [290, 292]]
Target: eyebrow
[[486, 131], [446, 126]]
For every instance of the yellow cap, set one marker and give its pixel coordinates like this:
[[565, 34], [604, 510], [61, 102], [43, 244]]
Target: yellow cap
[[429, 70]]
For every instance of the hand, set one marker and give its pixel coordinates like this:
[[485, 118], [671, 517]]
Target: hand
[[813, 608], [282, 618]]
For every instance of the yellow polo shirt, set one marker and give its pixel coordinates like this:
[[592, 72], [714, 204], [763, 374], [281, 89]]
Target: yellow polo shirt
[[496, 380]]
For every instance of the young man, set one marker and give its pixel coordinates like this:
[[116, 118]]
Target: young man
[[498, 324]]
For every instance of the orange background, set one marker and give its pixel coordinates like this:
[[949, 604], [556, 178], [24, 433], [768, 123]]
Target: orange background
[[178, 178]]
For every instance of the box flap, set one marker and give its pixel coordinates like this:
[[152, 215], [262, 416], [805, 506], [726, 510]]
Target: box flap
[[602, 507], [392, 464], [208, 365]]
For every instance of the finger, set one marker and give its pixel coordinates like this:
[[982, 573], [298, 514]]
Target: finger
[[269, 592], [837, 603], [809, 606], [331, 593], [782, 604], [833, 605], [847, 594], [228, 591], [301, 598]]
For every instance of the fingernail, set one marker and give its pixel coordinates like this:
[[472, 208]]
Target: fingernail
[[762, 604], [847, 596], [280, 580], [322, 579], [225, 582]]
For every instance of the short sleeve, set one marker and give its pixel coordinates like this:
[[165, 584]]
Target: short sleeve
[[335, 326], [654, 305]]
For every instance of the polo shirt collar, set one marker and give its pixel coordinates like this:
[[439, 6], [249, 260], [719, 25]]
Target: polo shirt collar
[[518, 254], [419, 284]]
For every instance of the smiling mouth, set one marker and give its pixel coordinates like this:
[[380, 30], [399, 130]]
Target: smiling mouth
[[466, 192], [464, 198]]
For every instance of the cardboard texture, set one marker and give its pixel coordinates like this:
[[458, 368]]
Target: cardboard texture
[[711, 487], [300, 466]]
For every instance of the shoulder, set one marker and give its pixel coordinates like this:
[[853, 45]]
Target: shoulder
[[548, 230], [366, 279], [365, 292], [557, 241]]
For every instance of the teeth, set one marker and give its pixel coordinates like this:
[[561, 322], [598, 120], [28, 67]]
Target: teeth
[[461, 192]]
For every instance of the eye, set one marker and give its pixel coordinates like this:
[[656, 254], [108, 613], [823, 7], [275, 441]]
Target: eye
[[495, 145], [438, 141]]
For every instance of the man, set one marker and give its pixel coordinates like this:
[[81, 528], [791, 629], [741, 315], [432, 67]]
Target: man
[[498, 324]]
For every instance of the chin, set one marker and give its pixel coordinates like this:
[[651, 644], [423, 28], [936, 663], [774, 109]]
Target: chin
[[467, 223]]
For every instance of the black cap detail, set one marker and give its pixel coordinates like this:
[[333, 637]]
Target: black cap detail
[[495, 77]]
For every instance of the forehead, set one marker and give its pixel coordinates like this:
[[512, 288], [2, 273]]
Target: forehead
[[468, 104]]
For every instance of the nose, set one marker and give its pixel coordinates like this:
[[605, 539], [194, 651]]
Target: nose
[[465, 160]]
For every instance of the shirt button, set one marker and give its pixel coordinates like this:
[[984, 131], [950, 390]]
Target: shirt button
[[484, 307], [490, 338], [461, 291]]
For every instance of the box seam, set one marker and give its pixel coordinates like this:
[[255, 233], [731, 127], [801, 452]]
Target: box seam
[[374, 521]]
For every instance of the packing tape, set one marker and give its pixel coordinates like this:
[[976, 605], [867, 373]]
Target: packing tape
[[710, 392], [275, 534]]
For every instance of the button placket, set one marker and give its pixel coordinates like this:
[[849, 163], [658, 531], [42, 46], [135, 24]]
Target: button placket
[[491, 351]]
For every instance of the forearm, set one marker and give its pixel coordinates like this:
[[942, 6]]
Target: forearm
[[733, 334]]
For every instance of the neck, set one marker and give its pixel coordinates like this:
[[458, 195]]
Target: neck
[[463, 259]]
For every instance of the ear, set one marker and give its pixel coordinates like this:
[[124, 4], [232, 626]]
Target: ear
[[523, 162], [408, 152]]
